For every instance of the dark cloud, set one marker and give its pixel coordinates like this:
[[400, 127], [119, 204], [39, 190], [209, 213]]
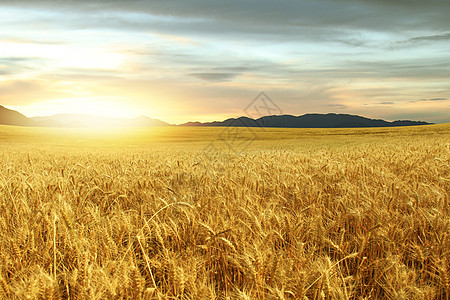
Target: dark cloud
[[214, 77], [430, 100], [291, 19], [411, 68], [428, 38], [337, 106], [359, 69], [233, 69], [420, 41], [380, 103]]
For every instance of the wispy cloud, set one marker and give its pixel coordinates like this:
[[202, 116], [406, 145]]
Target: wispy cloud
[[428, 38], [214, 77], [337, 106], [430, 100]]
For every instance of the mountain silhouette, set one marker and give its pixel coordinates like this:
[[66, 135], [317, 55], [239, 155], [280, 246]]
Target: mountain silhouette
[[12, 117], [330, 120]]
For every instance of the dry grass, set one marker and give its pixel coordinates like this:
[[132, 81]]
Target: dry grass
[[300, 214]]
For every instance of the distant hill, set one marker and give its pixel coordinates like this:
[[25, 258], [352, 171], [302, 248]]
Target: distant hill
[[308, 121], [12, 117]]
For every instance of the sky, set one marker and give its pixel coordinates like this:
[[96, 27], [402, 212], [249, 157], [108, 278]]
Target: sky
[[205, 60]]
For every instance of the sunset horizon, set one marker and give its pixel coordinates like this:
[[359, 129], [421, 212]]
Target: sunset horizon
[[206, 120]]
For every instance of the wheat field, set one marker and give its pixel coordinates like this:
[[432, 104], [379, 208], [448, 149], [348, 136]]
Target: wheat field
[[295, 214]]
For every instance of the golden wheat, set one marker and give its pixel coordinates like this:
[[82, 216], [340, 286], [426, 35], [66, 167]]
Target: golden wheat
[[299, 214]]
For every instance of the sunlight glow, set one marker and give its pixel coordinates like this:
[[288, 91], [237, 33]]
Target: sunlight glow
[[64, 55], [83, 106]]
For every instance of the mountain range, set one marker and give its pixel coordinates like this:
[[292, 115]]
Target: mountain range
[[331, 120]]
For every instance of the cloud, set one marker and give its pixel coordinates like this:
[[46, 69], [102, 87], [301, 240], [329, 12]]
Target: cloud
[[17, 65], [337, 106], [12, 39], [214, 77], [430, 100], [405, 68], [286, 19], [386, 103], [233, 69], [428, 115], [427, 38]]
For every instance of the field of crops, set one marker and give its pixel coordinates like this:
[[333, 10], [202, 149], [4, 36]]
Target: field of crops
[[177, 213]]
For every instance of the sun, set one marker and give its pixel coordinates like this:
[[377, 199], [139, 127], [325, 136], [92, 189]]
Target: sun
[[93, 107]]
